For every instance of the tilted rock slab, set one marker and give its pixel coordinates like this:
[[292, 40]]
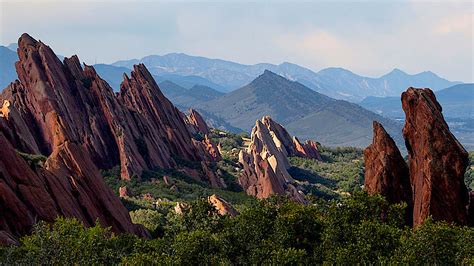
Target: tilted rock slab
[[386, 172], [437, 160]]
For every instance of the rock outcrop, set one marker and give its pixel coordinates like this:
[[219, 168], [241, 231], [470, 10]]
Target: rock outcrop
[[139, 129], [196, 123], [386, 172], [437, 161], [292, 146], [67, 113], [69, 185], [222, 206], [265, 162], [123, 192]]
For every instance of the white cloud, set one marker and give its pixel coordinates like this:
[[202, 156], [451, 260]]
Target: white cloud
[[369, 38]]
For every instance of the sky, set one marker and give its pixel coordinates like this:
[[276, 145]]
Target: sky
[[369, 38]]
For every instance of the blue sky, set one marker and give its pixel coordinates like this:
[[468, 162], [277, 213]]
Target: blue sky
[[368, 37]]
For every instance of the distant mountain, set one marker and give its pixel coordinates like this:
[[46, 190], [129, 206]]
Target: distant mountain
[[225, 76], [12, 46], [187, 98], [112, 74], [7, 66], [338, 83], [457, 102], [189, 81], [304, 112], [458, 109]]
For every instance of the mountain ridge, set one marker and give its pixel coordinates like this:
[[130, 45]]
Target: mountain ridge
[[304, 112], [336, 82]]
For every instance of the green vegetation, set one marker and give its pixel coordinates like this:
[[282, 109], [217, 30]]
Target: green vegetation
[[34, 160], [469, 175], [341, 225], [340, 173], [358, 229]]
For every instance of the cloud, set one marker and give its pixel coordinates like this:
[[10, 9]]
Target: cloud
[[456, 24], [369, 38]]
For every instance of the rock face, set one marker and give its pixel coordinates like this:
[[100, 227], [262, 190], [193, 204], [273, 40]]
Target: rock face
[[69, 185], [196, 122], [222, 206], [123, 192], [139, 129], [437, 160], [67, 113], [265, 162], [292, 146], [386, 172]]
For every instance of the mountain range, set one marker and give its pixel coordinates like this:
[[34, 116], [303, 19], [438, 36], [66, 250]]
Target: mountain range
[[225, 76], [337, 83], [457, 102], [304, 112], [232, 96]]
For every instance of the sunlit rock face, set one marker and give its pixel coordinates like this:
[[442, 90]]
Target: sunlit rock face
[[437, 161]]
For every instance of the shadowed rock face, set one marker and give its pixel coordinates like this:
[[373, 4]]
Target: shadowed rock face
[[386, 172], [437, 160], [265, 162], [139, 129], [67, 113], [68, 185], [196, 122]]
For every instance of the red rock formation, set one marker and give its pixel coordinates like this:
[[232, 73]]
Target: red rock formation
[[213, 179], [386, 172], [140, 129], [222, 206], [292, 146], [265, 165], [437, 160], [162, 123], [196, 123], [207, 149], [123, 192], [69, 185], [68, 113]]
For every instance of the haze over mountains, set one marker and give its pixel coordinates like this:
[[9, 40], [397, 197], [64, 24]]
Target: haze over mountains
[[225, 76], [338, 83], [457, 102]]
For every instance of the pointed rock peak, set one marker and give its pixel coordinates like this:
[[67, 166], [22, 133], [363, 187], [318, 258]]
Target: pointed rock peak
[[379, 130], [386, 172], [26, 39], [196, 122], [437, 160]]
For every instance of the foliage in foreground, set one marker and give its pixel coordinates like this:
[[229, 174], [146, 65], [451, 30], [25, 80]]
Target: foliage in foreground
[[358, 229]]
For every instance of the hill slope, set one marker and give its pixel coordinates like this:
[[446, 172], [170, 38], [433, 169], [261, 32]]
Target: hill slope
[[187, 98], [304, 112], [7, 66]]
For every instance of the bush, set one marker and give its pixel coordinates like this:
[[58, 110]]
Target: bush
[[358, 229]]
